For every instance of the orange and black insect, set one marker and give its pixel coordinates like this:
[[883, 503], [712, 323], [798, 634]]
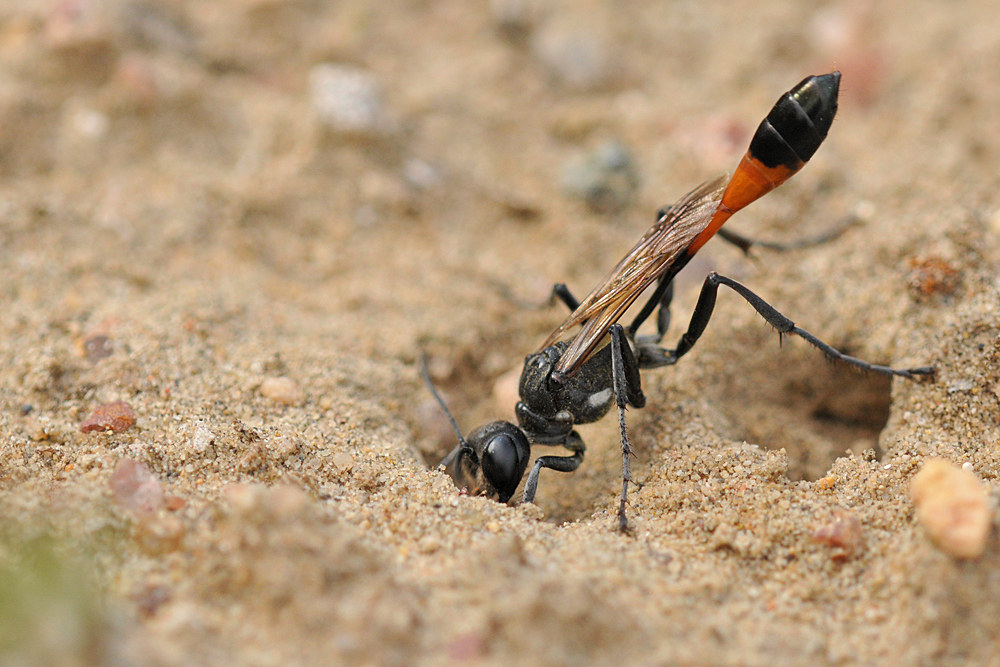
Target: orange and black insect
[[576, 380]]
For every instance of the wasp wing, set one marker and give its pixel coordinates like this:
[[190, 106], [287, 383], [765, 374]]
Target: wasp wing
[[651, 257]]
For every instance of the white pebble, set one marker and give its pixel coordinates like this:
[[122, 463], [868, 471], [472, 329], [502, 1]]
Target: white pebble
[[342, 461], [90, 123], [953, 507], [202, 437], [348, 99], [961, 385], [282, 390]]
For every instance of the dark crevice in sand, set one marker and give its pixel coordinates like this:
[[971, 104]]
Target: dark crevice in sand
[[814, 410]]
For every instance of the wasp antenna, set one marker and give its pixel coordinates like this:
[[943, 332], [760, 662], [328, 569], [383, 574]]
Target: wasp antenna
[[425, 374]]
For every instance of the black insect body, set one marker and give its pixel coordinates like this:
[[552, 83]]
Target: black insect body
[[576, 380]]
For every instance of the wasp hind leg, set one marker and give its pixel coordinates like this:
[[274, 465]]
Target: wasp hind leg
[[706, 306], [745, 243]]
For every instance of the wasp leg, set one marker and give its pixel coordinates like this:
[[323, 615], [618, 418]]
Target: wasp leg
[[744, 243], [661, 297], [561, 292], [663, 314], [574, 443], [703, 313], [628, 391], [665, 297], [648, 350]]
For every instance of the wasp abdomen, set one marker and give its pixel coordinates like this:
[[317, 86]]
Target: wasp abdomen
[[798, 123], [783, 143]]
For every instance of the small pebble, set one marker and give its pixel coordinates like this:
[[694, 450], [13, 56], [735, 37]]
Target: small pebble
[[843, 533], [421, 174], [88, 123], [826, 483], [202, 438], [135, 84], [136, 489], [953, 507], [515, 18], [347, 99], [575, 58], [342, 461], [468, 647], [428, 544], [117, 417], [174, 503], [605, 178], [150, 599], [282, 390], [933, 276], [960, 385], [97, 347]]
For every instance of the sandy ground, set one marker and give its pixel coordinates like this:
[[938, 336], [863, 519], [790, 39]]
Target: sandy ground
[[181, 220]]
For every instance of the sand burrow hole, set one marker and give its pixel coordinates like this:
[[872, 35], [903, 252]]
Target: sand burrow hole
[[794, 398]]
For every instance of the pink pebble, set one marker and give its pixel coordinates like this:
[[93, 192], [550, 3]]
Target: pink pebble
[[117, 417], [136, 489]]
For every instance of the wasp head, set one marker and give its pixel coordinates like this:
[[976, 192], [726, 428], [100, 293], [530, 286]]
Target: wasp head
[[498, 453]]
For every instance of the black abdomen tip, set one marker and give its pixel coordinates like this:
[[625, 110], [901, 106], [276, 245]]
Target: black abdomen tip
[[798, 123], [817, 95]]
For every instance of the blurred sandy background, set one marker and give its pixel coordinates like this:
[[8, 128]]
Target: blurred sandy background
[[246, 219]]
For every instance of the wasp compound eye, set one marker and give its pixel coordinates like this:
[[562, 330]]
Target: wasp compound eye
[[504, 459]]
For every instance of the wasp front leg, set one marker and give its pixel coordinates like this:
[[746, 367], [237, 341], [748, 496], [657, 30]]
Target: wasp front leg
[[574, 443]]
